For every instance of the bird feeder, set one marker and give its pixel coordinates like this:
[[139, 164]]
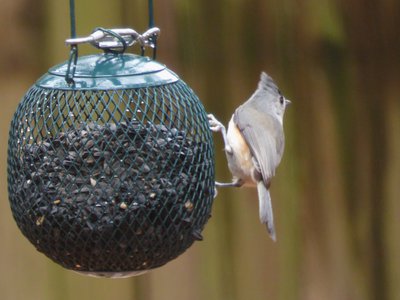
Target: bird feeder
[[110, 160]]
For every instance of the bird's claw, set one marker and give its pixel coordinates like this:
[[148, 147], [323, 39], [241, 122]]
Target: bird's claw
[[215, 192], [215, 125]]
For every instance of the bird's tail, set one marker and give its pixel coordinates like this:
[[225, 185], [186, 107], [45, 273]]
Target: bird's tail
[[265, 206]]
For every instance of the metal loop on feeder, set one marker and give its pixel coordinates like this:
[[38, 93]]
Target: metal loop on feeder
[[114, 174], [71, 67]]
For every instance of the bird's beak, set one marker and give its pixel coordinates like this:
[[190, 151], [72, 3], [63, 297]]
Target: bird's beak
[[287, 102]]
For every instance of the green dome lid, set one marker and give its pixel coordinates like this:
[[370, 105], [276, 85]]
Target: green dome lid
[[109, 71]]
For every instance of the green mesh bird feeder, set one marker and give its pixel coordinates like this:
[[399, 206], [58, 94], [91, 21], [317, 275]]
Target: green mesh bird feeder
[[110, 159]]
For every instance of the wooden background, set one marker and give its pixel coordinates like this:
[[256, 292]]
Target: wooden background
[[336, 193]]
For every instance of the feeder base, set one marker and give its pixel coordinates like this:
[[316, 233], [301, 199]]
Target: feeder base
[[113, 274]]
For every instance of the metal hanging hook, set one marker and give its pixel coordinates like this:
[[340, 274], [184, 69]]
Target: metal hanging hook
[[110, 40], [117, 40]]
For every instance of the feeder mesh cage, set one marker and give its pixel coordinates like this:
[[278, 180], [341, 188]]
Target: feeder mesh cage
[[111, 180]]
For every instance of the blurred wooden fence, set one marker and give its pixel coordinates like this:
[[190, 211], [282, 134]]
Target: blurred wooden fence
[[336, 193]]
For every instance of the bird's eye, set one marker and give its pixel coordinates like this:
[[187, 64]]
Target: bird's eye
[[281, 100]]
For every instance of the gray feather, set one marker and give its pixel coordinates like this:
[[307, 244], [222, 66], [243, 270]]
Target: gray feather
[[265, 207], [267, 84], [264, 136]]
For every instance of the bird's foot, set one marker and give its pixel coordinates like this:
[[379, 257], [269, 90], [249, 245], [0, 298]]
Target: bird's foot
[[215, 192], [236, 183], [217, 126]]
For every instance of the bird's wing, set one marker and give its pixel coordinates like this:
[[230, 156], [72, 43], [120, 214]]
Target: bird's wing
[[264, 135]]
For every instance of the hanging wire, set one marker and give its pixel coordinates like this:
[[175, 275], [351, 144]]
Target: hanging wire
[[151, 25], [73, 55], [115, 35], [73, 59], [151, 14], [72, 18]]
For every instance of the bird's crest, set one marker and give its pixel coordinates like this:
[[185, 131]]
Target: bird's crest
[[267, 84]]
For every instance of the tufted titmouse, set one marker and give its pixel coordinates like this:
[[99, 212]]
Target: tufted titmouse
[[254, 143]]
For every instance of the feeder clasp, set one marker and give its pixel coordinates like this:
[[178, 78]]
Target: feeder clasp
[[117, 40]]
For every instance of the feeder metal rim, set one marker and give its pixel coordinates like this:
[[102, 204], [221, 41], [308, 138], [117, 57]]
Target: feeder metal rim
[[110, 65], [103, 84], [109, 71]]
